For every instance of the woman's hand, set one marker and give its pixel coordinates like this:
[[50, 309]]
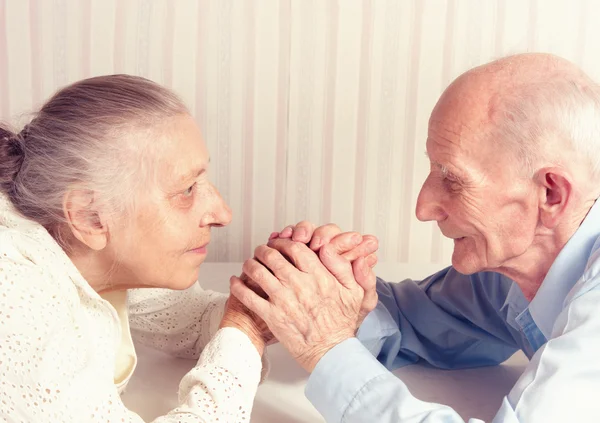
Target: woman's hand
[[238, 316], [314, 302]]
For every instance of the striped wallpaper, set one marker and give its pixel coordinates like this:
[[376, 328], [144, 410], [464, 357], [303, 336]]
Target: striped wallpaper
[[312, 109]]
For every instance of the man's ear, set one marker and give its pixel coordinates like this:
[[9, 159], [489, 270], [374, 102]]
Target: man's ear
[[85, 221], [555, 191]]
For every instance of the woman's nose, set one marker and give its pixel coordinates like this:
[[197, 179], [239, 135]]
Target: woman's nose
[[219, 213]]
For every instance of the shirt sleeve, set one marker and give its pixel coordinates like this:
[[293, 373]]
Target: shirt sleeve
[[449, 320], [221, 388], [179, 323], [559, 385], [54, 368]]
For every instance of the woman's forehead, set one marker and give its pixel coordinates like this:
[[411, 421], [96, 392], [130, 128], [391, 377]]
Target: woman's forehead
[[183, 154]]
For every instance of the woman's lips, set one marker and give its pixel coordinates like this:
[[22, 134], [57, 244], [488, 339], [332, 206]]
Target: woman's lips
[[199, 250]]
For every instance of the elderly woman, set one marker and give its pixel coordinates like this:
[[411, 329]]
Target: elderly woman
[[105, 190]]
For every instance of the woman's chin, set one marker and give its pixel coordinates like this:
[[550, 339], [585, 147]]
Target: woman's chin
[[184, 282]]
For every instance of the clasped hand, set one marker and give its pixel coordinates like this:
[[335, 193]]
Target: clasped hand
[[311, 287]]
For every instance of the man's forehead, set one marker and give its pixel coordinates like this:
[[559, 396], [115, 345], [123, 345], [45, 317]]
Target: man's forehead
[[442, 137], [459, 130], [458, 148]]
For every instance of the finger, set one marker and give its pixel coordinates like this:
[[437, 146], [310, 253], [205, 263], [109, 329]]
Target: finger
[[253, 285], [345, 242], [365, 277], [273, 235], [323, 235], [286, 232], [369, 245], [274, 261], [249, 298], [337, 265], [298, 254], [303, 231], [371, 260], [261, 276]]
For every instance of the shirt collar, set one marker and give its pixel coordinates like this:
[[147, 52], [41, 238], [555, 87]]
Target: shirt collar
[[565, 272]]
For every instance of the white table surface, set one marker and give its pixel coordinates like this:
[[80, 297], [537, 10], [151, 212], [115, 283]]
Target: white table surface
[[473, 393]]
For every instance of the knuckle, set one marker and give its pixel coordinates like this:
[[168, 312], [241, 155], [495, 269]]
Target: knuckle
[[327, 251], [251, 302], [312, 265], [294, 249], [259, 249], [270, 255], [249, 267], [330, 228]]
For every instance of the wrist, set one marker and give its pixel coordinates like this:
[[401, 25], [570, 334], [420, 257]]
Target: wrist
[[248, 328], [310, 360]]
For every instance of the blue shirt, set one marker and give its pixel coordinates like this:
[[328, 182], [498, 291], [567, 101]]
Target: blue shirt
[[457, 321]]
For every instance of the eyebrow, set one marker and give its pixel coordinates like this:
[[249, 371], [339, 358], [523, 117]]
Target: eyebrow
[[444, 169], [193, 174]]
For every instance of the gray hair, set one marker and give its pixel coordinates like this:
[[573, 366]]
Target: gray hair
[[90, 135], [563, 110]]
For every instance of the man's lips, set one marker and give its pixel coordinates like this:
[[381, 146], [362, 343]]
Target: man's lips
[[452, 236]]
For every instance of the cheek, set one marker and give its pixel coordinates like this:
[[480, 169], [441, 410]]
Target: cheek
[[521, 229], [159, 236], [172, 238], [468, 214], [515, 226]]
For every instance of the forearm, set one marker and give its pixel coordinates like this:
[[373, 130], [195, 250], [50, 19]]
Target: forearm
[[223, 384], [350, 386], [447, 319], [178, 322]]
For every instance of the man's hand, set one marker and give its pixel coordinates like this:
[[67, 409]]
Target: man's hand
[[316, 237], [314, 302]]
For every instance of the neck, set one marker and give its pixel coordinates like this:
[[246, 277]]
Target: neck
[[530, 269], [102, 273], [93, 269]]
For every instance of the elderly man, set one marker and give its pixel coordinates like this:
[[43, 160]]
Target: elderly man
[[514, 147]]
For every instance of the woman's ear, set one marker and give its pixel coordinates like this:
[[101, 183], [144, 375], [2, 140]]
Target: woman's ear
[[84, 218], [555, 191]]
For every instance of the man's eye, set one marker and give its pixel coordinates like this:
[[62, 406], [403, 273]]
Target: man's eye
[[188, 192], [452, 184]]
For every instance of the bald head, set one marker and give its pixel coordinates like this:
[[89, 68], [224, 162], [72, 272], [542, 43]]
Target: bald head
[[528, 67], [539, 106], [490, 84]]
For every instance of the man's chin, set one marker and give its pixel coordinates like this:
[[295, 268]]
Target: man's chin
[[465, 265]]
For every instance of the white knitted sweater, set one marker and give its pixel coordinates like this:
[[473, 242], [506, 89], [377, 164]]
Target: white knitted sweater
[[66, 353]]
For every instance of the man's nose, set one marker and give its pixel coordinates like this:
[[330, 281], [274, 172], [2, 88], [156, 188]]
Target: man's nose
[[428, 202]]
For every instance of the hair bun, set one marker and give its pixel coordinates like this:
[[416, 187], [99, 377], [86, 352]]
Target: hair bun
[[11, 158]]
